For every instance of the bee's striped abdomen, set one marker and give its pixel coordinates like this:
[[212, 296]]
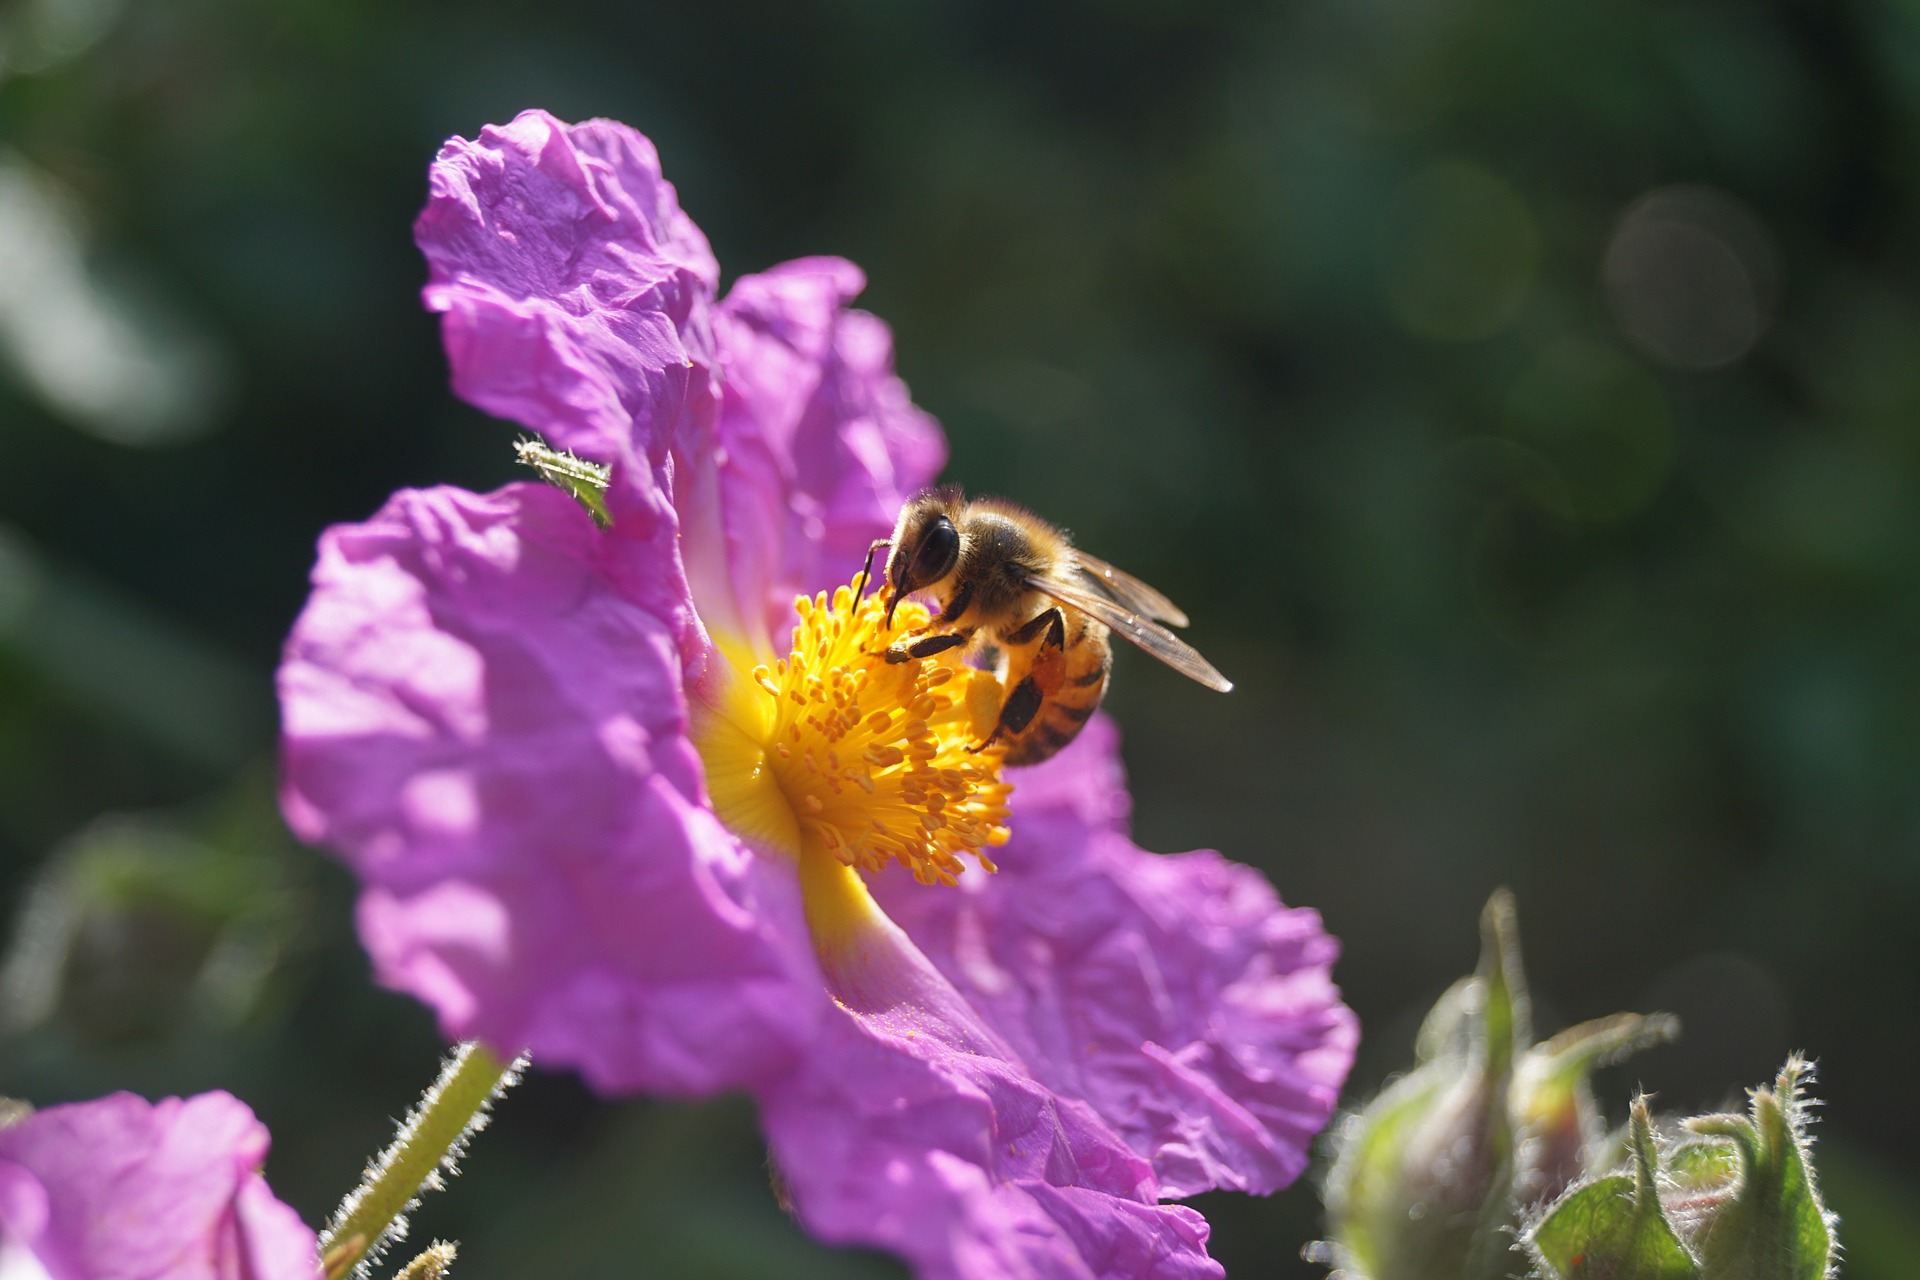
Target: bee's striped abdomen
[[1067, 683]]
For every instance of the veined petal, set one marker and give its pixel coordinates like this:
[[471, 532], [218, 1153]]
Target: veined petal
[[815, 446], [575, 291], [1174, 994], [484, 717], [911, 1126], [123, 1187]]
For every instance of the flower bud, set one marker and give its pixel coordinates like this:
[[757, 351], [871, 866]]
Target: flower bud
[[1420, 1186], [1432, 1179], [1736, 1203], [1562, 1137], [1747, 1203]]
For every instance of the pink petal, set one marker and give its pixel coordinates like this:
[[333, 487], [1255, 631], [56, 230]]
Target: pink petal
[[484, 717], [122, 1187], [816, 445], [912, 1127], [576, 293], [1175, 995]]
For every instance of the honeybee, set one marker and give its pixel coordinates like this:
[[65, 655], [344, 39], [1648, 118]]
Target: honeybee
[[1031, 606]]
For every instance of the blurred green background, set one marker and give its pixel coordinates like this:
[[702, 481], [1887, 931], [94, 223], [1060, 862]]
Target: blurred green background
[[1523, 398]]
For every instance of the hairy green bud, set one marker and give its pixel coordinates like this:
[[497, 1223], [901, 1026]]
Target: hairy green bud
[[1420, 1184], [1751, 1211], [1732, 1198], [1432, 1179], [1562, 1135]]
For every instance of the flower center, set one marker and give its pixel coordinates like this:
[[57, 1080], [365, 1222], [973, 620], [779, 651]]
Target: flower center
[[836, 750]]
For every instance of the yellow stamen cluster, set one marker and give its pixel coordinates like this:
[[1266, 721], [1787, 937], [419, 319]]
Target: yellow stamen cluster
[[869, 761]]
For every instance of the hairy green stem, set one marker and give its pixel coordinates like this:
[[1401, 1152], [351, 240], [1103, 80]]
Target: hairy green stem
[[429, 1143]]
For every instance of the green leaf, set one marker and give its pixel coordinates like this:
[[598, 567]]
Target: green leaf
[[1599, 1231], [1613, 1228]]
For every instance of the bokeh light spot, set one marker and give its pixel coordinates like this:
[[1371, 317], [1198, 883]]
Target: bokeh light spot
[[1691, 276]]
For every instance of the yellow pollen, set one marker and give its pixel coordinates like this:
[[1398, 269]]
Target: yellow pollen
[[835, 750]]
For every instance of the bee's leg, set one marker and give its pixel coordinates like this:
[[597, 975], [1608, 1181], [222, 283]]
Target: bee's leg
[[867, 569], [1052, 622], [927, 646], [1043, 675], [958, 604], [1017, 712]]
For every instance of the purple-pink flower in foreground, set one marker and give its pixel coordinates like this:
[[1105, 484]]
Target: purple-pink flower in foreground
[[123, 1187], [598, 816]]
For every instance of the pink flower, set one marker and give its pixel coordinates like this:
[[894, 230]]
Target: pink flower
[[598, 816], [126, 1188]]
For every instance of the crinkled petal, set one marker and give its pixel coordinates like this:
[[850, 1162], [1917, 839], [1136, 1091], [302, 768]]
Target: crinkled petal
[[911, 1127], [816, 445], [144, 1191], [484, 717], [1176, 995], [576, 294]]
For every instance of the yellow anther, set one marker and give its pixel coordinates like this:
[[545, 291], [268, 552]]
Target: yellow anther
[[891, 744]]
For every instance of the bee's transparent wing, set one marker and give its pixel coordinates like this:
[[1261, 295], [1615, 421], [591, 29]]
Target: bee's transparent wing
[[1129, 590], [1146, 633]]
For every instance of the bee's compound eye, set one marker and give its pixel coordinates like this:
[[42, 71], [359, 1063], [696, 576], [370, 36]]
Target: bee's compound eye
[[938, 552]]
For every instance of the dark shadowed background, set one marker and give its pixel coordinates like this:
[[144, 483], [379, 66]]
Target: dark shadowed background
[[1523, 398]]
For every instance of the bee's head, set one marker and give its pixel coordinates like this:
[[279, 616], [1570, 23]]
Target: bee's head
[[926, 542]]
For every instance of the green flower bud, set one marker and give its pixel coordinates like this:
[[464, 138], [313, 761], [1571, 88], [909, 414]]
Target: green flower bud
[[1444, 1175], [1420, 1186], [1738, 1203], [1562, 1137], [1747, 1203]]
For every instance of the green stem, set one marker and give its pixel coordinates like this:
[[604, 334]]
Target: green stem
[[432, 1138]]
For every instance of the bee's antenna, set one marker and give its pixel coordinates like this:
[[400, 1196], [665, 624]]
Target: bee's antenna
[[867, 568]]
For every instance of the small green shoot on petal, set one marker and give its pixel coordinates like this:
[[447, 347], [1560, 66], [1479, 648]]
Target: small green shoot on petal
[[586, 481]]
